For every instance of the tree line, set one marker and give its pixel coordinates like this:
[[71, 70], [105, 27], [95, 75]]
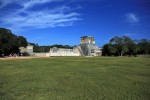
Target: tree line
[[37, 48], [123, 46]]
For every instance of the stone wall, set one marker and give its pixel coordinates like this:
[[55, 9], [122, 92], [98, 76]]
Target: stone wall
[[63, 52], [42, 54], [60, 52]]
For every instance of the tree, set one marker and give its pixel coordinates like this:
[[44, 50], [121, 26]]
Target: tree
[[10, 43], [112, 50], [37, 48], [108, 50], [22, 41], [105, 51], [126, 46], [117, 42], [121, 46], [144, 46], [129, 46]]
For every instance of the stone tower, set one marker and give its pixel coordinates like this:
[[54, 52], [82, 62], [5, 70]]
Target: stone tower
[[89, 47], [87, 39]]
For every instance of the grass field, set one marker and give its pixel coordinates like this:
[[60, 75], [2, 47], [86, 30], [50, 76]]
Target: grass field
[[75, 78]]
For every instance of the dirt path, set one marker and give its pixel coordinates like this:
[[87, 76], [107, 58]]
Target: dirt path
[[19, 58]]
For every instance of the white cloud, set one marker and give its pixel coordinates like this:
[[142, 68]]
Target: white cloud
[[41, 18], [25, 3], [132, 18], [31, 3]]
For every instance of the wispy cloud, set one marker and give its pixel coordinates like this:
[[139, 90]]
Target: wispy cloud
[[41, 18], [31, 3], [132, 18], [3, 3], [25, 3]]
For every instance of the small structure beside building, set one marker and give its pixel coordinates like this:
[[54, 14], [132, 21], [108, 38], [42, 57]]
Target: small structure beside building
[[26, 50]]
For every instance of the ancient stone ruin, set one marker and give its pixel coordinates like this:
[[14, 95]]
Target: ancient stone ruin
[[87, 47], [26, 50]]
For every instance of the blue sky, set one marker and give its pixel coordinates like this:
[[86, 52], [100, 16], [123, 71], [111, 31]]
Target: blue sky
[[49, 22]]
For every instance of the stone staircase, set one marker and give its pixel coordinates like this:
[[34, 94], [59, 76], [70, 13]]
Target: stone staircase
[[80, 50]]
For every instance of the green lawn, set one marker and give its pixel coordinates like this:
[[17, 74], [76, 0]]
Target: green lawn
[[75, 78]]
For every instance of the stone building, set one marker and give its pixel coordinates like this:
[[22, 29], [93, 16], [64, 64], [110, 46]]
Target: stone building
[[87, 47], [87, 39], [26, 50]]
